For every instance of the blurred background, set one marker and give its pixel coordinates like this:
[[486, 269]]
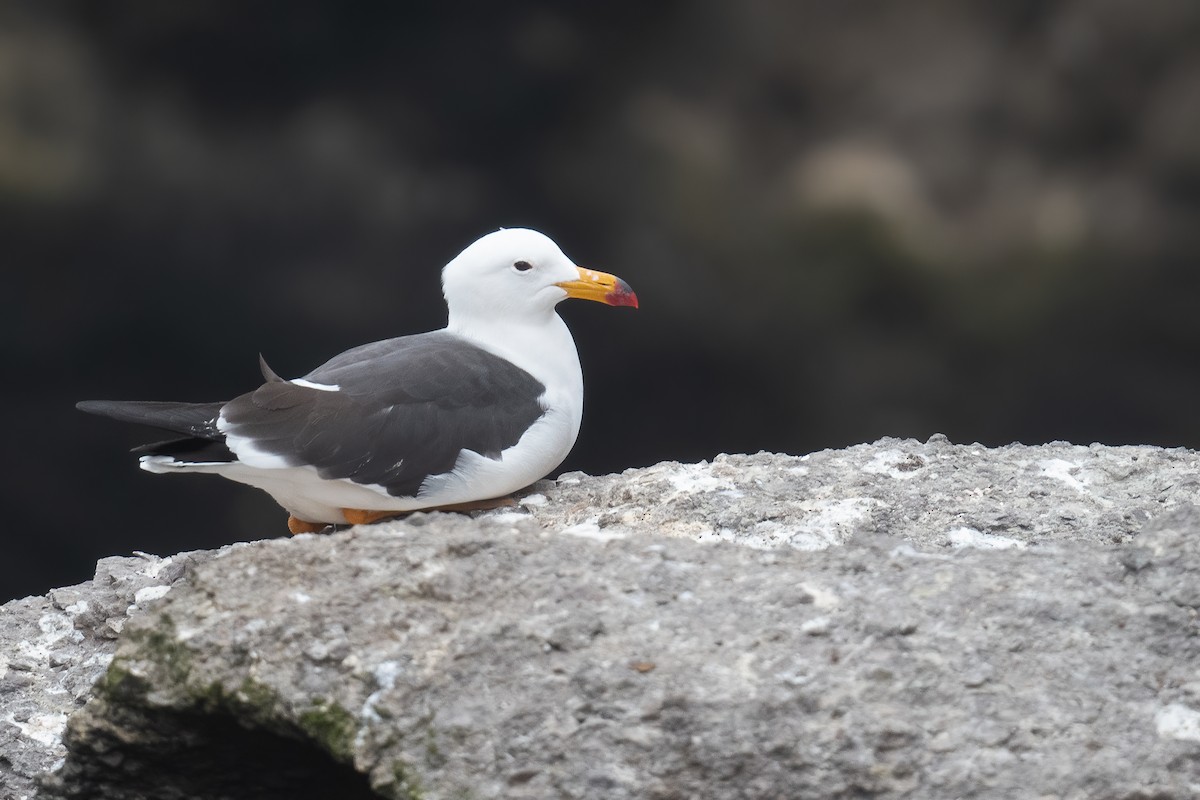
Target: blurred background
[[843, 220]]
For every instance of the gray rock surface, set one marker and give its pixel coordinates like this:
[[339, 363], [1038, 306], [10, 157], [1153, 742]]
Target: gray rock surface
[[1020, 621], [932, 493], [54, 648]]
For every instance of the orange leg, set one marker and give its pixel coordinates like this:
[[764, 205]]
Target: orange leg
[[297, 525], [359, 516], [477, 505]]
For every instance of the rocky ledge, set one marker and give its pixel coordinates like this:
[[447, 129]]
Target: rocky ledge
[[895, 619]]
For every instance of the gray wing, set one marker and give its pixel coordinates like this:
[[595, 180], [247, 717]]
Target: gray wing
[[404, 410]]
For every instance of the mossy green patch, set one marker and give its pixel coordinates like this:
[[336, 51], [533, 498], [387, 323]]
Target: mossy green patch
[[434, 756], [251, 703], [332, 727], [255, 697], [119, 683], [161, 646], [155, 650], [406, 785]]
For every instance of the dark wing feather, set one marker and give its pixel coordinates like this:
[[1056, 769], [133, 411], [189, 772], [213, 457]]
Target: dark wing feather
[[198, 421], [268, 374], [404, 410], [194, 419], [195, 451]]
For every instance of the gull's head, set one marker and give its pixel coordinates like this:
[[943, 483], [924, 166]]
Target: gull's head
[[522, 274]]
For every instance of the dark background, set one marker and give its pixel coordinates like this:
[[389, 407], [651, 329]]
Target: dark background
[[844, 221]]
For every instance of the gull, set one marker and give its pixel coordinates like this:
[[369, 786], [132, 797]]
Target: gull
[[457, 418]]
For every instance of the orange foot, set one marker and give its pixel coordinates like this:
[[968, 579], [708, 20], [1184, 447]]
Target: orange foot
[[297, 525], [359, 516]]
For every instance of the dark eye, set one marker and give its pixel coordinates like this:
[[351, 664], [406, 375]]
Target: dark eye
[[522, 266]]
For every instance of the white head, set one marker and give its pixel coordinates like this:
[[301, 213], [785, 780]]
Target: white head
[[521, 275]]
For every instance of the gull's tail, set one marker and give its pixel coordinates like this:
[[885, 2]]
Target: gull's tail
[[203, 442]]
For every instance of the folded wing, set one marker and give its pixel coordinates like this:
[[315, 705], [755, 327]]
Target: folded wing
[[390, 413]]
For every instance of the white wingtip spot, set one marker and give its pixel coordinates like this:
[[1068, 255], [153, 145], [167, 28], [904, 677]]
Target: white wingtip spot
[[159, 464], [321, 387]]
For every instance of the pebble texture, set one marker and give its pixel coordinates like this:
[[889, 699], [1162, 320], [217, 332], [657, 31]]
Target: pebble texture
[[54, 648], [947, 621], [932, 493]]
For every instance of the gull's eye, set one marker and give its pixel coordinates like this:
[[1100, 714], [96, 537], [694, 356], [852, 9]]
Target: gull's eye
[[522, 266]]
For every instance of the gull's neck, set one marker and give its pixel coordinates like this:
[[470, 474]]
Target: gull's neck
[[542, 346]]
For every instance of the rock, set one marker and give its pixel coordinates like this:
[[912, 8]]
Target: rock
[[947, 621], [934, 493], [54, 648]]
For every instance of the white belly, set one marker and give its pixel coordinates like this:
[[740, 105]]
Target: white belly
[[308, 496]]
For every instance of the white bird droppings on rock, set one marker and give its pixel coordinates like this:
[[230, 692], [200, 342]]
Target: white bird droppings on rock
[[1177, 721], [896, 464], [45, 729], [969, 537], [591, 530], [1060, 469], [148, 593], [822, 598], [507, 517], [154, 564], [688, 478]]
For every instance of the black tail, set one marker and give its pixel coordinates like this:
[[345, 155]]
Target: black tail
[[193, 451], [198, 420]]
